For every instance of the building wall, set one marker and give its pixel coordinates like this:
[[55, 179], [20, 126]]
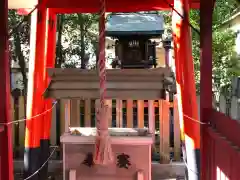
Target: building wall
[[234, 24], [160, 54]]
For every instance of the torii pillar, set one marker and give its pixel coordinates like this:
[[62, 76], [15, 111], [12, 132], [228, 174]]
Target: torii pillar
[[36, 87], [186, 88], [50, 50], [6, 153]]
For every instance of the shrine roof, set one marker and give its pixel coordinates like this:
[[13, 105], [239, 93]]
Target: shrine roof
[[93, 6], [134, 23], [142, 84]]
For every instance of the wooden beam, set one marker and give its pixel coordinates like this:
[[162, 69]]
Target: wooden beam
[[111, 94], [82, 73]]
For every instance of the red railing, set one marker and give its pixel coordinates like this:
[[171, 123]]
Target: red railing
[[223, 147]]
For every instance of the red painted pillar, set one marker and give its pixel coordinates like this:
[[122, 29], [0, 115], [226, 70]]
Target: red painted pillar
[[6, 154], [48, 103], [36, 87], [186, 88], [206, 8]]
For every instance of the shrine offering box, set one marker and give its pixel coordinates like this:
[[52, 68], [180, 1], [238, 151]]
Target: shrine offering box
[[131, 148]]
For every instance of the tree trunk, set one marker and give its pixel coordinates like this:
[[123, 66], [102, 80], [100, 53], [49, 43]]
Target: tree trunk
[[59, 54], [21, 59], [82, 44]]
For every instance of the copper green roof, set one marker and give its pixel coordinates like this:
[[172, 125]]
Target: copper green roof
[[134, 23]]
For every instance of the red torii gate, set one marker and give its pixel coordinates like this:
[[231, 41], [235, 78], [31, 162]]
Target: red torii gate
[[42, 55]]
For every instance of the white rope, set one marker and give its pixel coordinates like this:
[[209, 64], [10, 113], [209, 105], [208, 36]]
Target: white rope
[[37, 171], [185, 163], [27, 119], [195, 120]]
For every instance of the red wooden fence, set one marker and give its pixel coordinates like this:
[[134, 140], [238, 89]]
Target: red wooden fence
[[222, 140]]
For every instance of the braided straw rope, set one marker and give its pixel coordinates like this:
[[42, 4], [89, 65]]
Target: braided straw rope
[[103, 150]]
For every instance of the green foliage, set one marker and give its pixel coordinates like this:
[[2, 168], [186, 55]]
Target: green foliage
[[19, 42], [223, 46], [80, 37], [76, 44], [20, 34]]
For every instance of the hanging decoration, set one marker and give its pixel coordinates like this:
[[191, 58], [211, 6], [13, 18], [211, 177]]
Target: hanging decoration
[[103, 150], [123, 161]]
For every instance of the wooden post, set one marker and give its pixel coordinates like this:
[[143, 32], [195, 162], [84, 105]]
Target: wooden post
[[151, 119], [67, 115], [62, 115], [97, 106], [21, 110], [206, 9], [53, 137], [78, 116], [140, 113], [87, 113], [72, 174], [164, 131], [6, 155], [160, 109], [140, 175], [177, 133], [75, 120], [109, 104], [129, 113], [119, 112]]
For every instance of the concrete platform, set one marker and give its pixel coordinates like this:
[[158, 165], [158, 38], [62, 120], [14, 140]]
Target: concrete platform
[[173, 171]]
